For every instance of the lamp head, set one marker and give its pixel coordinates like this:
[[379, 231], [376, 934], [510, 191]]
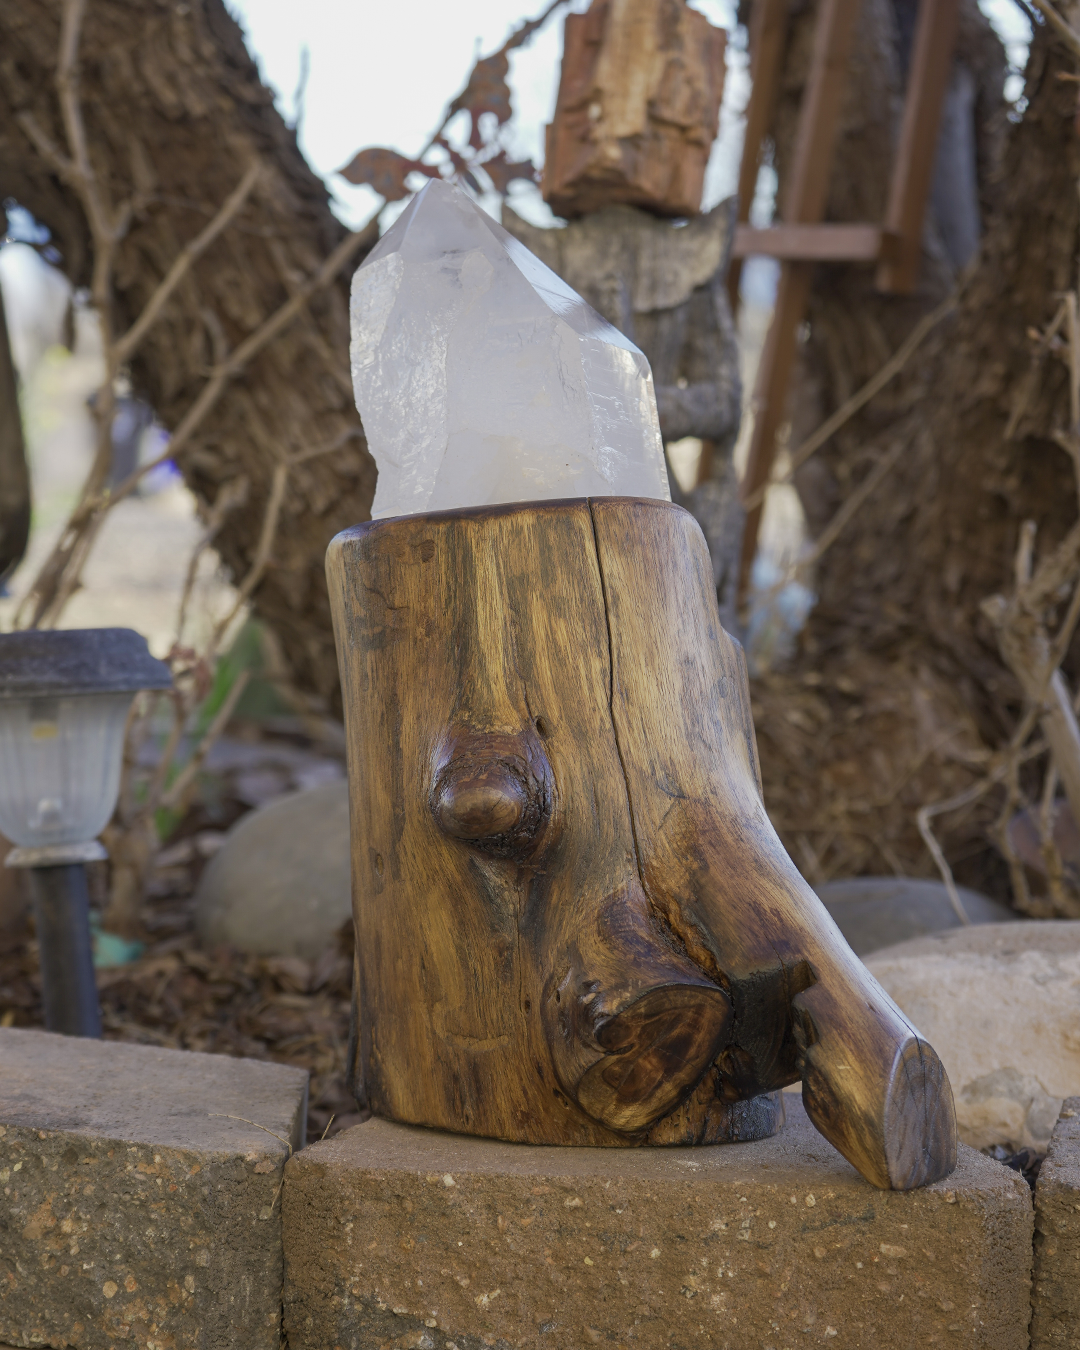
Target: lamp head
[[64, 701]]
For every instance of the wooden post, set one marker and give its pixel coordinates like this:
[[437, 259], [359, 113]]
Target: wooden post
[[574, 922], [768, 33], [636, 115], [803, 202], [909, 188]]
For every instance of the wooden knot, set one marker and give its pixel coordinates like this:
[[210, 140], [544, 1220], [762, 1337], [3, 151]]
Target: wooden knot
[[480, 801], [493, 791]]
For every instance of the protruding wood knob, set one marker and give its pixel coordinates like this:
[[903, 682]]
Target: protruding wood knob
[[480, 802], [657, 1049]]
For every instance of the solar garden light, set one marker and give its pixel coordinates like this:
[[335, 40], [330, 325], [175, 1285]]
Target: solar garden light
[[64, 702]]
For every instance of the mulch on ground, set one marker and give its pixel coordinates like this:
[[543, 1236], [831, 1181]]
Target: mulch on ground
[[220, 1002]]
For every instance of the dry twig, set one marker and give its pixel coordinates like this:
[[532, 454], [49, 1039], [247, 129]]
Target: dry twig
[[1063, 29], [862, 396], [1023, 622]]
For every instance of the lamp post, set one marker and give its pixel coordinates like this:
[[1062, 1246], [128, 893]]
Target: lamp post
[[64, 701]]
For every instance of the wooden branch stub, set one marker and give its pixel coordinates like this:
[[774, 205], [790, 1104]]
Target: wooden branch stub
[[575, 924]]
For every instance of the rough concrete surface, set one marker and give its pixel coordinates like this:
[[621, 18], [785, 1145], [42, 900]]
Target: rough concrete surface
[[1055, 1321], [397, 1236], [134, 1210], [1000, 1003]]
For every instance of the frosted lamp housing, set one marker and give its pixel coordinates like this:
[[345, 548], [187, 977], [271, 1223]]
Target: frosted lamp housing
[[64, 700], [60, 767]]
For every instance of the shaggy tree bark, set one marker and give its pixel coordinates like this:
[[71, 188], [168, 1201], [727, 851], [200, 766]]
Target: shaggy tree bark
[[175, 116], [14, 476], [900, 694]]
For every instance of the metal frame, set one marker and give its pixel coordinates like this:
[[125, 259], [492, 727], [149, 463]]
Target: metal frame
[[801, 238]]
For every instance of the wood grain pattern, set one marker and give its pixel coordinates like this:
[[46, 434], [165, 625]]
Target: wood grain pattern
[[636, 114], [574, 921]]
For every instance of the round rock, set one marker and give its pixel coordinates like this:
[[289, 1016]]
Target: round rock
[[1000, 1003], [279, 884], [876, 912]]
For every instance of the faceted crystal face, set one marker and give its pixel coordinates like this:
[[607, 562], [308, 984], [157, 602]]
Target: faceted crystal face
[[481, 377]]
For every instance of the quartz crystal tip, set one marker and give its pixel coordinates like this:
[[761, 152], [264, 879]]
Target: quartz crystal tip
[[481, 377]]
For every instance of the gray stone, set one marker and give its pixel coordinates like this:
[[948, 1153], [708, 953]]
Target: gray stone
[[876, 912], [1000, 1003], [140, 1194], [1055, 1321], [279, 884], [398, 1237]]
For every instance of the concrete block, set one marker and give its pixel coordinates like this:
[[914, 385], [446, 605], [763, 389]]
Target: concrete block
[[136, 1208], [1055, 1320], [398, 1237]]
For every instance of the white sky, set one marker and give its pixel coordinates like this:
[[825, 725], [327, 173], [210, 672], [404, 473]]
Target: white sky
[[382, 74]]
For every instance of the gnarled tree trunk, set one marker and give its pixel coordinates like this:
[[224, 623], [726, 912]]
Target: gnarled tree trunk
[[899, 693], [175, 115]]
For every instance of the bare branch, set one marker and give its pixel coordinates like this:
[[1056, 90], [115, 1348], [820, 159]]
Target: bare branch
[[343, 438], [1025, 553], [862, 397], [88, 513], [230, 496], [289, 281], [1059, 25], [188, 255], [67, 84], [45, 147], [922, 819], [262, 553], [517, 38], [1068, 627], [1074, 362], [347, 249], [171, 799], [853, 502]]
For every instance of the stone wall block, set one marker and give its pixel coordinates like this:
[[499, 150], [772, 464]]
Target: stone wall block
[[1055, 1300], [403, 1237], [137, 1208]]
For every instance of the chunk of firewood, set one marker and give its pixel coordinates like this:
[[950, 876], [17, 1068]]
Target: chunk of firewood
[[637, 110]]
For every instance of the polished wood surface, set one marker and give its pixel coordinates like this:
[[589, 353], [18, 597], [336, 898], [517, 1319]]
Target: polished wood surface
[[574, 921]]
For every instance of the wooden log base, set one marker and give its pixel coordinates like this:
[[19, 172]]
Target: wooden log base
[[575, 923]]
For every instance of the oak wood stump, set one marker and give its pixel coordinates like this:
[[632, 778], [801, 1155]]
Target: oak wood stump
[[574, 921]]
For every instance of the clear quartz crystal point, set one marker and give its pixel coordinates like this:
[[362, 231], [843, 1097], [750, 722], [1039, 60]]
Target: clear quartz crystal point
[[481, 377]]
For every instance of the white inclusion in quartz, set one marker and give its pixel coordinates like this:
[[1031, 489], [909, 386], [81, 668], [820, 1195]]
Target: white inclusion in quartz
[[481, 377]]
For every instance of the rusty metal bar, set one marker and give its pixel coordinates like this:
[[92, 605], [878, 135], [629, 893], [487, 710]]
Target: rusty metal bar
[[909, 188], [803, 202]]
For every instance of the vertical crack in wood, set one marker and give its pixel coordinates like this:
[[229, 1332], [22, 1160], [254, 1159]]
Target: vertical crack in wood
[[611, 698]]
